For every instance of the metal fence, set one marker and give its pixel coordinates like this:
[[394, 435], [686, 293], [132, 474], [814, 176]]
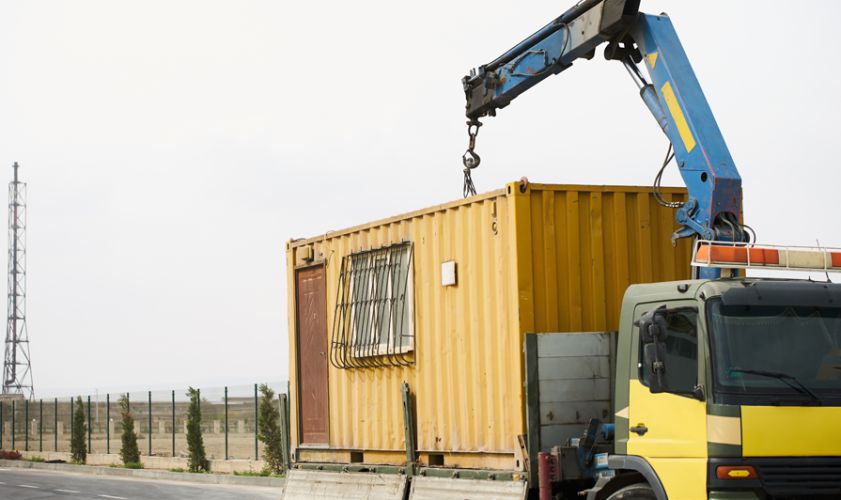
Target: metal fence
[[229, 422]]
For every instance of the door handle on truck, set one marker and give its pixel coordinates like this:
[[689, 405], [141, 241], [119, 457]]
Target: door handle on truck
[[639, 429]]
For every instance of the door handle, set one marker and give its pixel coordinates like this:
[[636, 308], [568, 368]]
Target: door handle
[[639, 429]]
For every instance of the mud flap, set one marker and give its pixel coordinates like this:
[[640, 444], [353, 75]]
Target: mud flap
[[437, 488], [307, 484]]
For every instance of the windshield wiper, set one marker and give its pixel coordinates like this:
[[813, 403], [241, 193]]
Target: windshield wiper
[[785, 378]]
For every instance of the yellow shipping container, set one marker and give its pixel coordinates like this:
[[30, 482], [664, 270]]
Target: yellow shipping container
[[481, 273]]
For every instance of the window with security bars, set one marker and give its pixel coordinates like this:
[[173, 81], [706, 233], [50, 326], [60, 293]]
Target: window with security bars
[[374, 322]]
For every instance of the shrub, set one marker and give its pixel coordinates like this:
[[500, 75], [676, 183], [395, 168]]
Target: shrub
[[268, 431], [129, 452], [197, 460], [78, 447]]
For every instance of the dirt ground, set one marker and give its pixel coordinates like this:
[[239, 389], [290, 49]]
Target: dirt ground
[[240, 445]]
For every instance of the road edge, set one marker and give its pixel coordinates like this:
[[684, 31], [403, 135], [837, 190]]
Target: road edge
[[184, 477]]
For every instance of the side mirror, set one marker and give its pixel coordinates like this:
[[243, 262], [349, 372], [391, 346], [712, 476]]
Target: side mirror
[[653, 331], [653, 326]]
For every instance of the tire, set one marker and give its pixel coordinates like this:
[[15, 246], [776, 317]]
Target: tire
[[638, 491]]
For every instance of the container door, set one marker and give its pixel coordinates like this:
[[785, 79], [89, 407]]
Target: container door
[[312, 355]]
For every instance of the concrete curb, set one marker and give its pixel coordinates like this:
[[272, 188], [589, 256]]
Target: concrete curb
[[184, 477]]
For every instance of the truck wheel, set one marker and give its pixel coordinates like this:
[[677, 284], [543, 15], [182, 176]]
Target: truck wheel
[[634, 492]]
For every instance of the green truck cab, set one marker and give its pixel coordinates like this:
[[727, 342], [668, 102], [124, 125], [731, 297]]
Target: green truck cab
[[727, 388]]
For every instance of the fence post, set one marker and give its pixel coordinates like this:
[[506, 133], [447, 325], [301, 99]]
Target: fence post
[[26, 425], [128, 408], [107, 423], [256, 425], [13, 424], [198, 398], [89, 424], [150, 423], [40, 425], [71, 424], [2, 424], [284, 429], [173, 423], [226, 422], [55, 423]]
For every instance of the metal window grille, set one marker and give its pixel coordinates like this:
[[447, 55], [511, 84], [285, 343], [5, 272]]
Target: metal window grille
[[373, 325]]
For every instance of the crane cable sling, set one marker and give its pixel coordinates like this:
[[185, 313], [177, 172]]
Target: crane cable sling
[[471, 159], [469, 188]]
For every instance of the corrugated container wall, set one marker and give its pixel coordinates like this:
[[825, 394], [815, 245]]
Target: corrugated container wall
[[544, 258]]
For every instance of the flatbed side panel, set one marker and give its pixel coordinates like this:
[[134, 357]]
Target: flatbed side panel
[[568, 383], [434, 488], [307, 485], [573, 384]]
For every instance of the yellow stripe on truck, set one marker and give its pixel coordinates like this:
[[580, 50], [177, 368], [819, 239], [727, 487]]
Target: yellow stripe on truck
[[791, 431], [678, 116], [724, 430]]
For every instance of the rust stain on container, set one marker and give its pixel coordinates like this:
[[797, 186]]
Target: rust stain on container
[[553, 258]]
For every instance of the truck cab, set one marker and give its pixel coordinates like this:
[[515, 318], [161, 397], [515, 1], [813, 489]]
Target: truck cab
[[728, 388]]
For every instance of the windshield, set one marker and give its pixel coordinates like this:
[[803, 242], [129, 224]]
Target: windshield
[[776, 354]]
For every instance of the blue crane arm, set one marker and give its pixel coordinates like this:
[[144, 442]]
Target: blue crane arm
[[673, 96], [552, 49]]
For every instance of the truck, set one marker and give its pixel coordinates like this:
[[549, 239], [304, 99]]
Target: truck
[[705, 384], [727, 386]]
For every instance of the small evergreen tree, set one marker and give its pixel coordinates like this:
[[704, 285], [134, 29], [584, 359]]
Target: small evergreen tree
[[195, 444], [78, 448], [269, 431], [129, 452]]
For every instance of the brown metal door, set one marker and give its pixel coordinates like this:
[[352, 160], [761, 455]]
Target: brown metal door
[[312, 355]]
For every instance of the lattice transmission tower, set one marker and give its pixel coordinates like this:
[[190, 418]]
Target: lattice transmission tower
[[17, 368]]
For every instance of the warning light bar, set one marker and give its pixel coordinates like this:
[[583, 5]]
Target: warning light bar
[[748, 255]]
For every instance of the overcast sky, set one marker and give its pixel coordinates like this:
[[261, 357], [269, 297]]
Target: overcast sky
[[172, 147]]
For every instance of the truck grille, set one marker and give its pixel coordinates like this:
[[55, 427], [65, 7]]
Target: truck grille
[[800, 476]]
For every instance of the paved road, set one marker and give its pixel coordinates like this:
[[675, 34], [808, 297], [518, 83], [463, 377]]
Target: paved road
[[28, 484]]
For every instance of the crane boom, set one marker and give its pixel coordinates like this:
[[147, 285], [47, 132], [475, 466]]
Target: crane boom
[[673, 96]]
